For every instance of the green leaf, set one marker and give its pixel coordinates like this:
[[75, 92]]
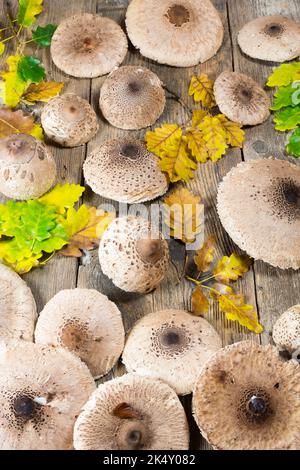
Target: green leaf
[[283, 98], [293, 147], [43, 35], [2, 48], [28, 10], [284, 75], [30, 69], [63, 197], [287, 119]]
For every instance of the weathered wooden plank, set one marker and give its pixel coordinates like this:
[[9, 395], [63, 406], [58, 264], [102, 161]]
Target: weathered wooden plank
[[276, 289]]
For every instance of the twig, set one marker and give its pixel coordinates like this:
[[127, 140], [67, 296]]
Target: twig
[[179, 100]]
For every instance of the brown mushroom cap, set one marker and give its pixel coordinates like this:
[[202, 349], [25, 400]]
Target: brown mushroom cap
[[181, 33], [17, 307], [271, 38], [246, 398], [42, 390], [241, 99], [286, 331], [132, 98], [125, 171], [171, 345], [88, 45], [132, 413], [259, 207], [27, 167], [85, 322], [128, 255], [69, 120]]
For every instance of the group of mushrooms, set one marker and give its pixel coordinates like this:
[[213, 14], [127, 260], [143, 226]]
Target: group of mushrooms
[[245, 396]]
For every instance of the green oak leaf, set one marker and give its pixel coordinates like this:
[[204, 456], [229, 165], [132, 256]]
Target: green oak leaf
[[284, 75], [285, 96], [43, 35], [31, 70], [293, 146], [28, 10], [287, 119], [10, 214]]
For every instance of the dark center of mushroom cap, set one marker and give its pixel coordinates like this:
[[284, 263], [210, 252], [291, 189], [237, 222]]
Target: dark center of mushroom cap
[[170, 340], [130, 150], [178, 15], [255, 406], [132, 435], [17, 149], [274, 30], [24, 407], [71, 111], [88, 43], [150, 250], [243, 93], [73, 336], [284, 195], [134, 86]]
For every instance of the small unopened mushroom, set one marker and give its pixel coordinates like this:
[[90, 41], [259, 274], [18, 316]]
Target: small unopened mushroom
[[259, 207], [125, 171], [17, 307], [85, 322], [131, 257], [69, 120], [132, 97], [42, 390], [286, 331], [241, 99], [247, 398], [132, 413], [171, 345], [27, 167], [181, 33], [88, 45], [272, 38]]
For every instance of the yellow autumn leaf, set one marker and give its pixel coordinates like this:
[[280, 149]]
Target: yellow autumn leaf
[[14, 122], [198, 116], [175, 160], [230, 268], [12, 86], [205, 256], [235, 135], [26, 264], [161, 136], [201, 88], [214, 136], [63, 196], [197, 144], [183, 214], [2, 48], [42, 91], [28, 10], [200, 303]]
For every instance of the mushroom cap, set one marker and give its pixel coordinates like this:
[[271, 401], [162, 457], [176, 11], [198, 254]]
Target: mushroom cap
[[286, 331], [246, 398], [85, 322], [131, 257], [125, 171], [259, 207], [88, 45], [181, 33], [241, 99], [42, 390], [132, 97], [131, 413], [69, 120], [171, 345], [27, 167], [271, 38], [17, 307]]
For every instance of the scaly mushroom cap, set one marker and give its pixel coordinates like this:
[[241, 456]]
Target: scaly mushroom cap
[[171, 345], [246, 398], [181, 33], [88, 45], [259, 207], [17, 307], [286, 331], [125, 171], [42, 391], [241, 99], [69, 120], [132, 413], [271, 38], [27, 167], [130, 257], [132, 98], [85, 322]]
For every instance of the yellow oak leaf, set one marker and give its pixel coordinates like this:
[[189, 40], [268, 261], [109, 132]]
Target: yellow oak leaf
[[198, 116], [235, 135], [230, 268], [42, 91], [201, 88], [63, 196], [197, 144], [183, 214], [12, 85], [161, 136], [205, 256], [14, 122], [175, 160], [215, 137], [200, 303]]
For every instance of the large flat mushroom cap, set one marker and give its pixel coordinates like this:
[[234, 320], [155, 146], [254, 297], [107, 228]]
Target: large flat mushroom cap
[[85, 322], [246, 398], [272, 38], [27, 167], [88, 45], [132, 413], [17, 307], [131, 256], [241, 99], [125, 171], [42, 390], [69, 120], [171, 345], [286, 330], [259, 207], [181, 33], [132, 97]]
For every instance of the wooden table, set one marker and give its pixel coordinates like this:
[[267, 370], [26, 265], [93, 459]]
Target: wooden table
[[271, 290]]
